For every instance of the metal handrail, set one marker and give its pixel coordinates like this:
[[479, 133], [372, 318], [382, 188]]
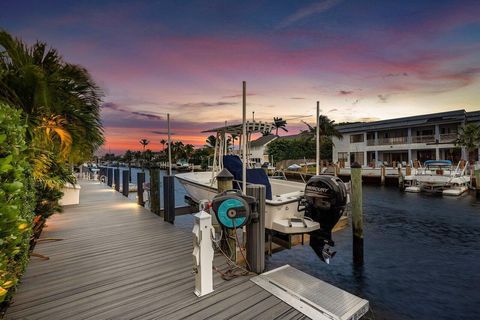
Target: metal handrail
[[423, 139], [448, 137]]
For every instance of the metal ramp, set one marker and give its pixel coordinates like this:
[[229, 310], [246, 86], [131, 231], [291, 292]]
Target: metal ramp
[[311, 296]]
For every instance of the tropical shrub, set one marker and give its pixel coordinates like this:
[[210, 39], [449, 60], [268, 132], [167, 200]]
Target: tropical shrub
[[54, 109], [16, 199], [299, 148]]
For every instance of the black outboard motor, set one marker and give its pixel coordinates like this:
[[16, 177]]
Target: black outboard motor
[[325, 201]]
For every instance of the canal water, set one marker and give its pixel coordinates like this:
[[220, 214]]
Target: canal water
[[422, 255]]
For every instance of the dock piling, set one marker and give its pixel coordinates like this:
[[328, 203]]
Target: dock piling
[[357, 214], [125, 182], [477, 181], [382, 175], [401, 178], [169, 199], [155, 191], [116, 179], [140, 181], [256, 231], [110, 177], [224, 183]]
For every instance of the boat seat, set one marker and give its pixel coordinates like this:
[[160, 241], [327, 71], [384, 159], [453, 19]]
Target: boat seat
[[233, 163]]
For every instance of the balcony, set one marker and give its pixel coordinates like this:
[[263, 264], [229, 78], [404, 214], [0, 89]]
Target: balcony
[[423, 139], [448, 137], [393, 140]]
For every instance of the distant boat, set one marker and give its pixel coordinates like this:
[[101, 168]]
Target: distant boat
[[182, 165], [294, 167], [438, 176]]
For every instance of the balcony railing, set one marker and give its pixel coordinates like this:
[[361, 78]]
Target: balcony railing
[[423, 139], [393, 140], [448, 137], [370, 142]]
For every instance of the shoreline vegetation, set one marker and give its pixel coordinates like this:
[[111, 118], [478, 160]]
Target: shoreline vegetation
[[49, 122], [298, 146]]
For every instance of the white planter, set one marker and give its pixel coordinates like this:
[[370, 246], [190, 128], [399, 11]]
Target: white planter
[[71, 194]]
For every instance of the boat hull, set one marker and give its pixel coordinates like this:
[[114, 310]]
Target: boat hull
[[445, 185], [277, 212]]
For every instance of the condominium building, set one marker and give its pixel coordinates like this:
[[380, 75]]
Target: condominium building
[[402, 140]]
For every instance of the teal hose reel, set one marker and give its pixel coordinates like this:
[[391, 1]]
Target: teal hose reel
[[232, 209]]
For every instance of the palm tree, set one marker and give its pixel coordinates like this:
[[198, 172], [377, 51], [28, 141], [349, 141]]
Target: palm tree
[[178, 150], [144, 143], [279, 123], [188, 149], [163, 142], [211, 142], [469, 138], [60, 104], [327, 129]]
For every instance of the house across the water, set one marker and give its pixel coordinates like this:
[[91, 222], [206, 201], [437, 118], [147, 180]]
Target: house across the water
[[402, 140]]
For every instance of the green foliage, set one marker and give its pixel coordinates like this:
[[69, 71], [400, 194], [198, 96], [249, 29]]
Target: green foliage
[[285, 149], [49, 120], [305, 146], [469, 138], [60, 101], [211, 141], [47, 201], [16, 199], [327, 128], [279, 123]]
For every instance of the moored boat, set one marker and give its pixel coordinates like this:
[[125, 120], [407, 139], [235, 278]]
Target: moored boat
[[438, 177]]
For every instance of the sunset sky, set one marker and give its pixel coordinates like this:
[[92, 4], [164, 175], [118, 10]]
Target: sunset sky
[[364, 60]]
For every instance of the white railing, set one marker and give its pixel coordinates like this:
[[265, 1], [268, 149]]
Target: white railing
[[423, 139]]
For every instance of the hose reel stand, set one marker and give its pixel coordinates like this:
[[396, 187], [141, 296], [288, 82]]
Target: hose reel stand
[[233, 209]]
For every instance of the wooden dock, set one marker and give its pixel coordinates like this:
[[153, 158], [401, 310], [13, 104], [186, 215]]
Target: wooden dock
[[119, 261]]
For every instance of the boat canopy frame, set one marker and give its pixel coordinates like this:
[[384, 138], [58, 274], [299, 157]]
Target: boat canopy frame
[[252, 127], [221, 149]]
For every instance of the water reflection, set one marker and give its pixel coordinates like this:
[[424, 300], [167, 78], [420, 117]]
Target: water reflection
[[421, 256]]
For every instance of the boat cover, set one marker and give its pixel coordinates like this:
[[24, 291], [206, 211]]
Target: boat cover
[[438, 163], [255, 176]]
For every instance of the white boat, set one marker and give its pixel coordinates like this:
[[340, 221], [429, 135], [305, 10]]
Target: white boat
[[294, 167], [438, 176], [279, 210], [182, 165]]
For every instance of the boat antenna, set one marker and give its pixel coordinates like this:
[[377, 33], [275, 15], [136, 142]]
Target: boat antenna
[[244, 137], [317, 138]]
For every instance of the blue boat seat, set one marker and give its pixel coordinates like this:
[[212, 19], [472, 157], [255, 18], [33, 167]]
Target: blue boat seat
[[233, 163]]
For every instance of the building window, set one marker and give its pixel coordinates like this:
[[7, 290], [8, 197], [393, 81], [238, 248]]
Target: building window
[[343, 156], [357, 157], [355, 138]]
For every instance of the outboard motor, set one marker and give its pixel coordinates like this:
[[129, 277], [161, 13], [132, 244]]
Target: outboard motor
[[325, 200]]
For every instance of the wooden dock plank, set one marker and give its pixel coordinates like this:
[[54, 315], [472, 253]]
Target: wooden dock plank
[[119, 261]]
